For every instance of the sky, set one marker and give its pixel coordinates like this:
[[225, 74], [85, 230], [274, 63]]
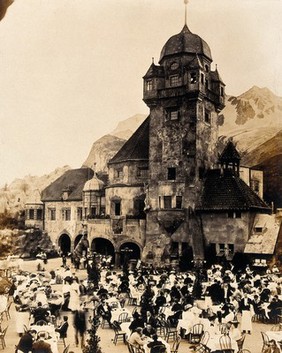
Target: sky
[[70, 70]]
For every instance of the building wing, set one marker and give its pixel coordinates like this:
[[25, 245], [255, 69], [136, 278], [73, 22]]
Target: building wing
[[71, 182], [223, 190]]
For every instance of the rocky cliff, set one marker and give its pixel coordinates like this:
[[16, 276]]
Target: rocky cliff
[[14, 196]]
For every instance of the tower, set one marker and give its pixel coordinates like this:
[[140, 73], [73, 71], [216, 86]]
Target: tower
[[184, 96]]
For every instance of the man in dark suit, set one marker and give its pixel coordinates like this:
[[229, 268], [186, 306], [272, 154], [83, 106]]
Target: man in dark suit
[[104, 310], [40, 313], [26, 341], [63, 328], [41, 346]]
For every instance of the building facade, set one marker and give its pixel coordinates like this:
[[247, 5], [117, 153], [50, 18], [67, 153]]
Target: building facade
[[168, 194]]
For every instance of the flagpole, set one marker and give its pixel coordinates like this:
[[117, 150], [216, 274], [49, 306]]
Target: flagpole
[[186, 2]]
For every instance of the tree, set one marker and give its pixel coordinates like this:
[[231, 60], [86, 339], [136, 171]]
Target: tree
[[92, 343]]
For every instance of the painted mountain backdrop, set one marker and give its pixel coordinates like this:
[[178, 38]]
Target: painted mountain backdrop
[[253, 120]]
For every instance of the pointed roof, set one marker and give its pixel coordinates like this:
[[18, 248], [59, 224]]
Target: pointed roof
[[229, 153], [185, 42], [216, 77], [137, 147], [154, 71], [226, 191], [94, 184], [72, 180]]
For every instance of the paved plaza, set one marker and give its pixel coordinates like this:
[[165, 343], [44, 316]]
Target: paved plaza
[[253, 342]]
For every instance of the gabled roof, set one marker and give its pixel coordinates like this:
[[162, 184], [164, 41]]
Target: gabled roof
[[137, 147], [154, 71], [229, 153], [214, 75], [73, 181], [223, 190]]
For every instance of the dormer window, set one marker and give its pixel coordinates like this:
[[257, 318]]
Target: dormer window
[[174, 81], [207, 68], [149, 85], [65, 195]]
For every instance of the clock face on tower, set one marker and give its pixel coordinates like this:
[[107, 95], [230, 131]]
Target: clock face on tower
[[174, 66]]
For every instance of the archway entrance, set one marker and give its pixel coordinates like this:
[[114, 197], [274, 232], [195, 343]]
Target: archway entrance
[[129, 251], [103, 246], [64, 243]]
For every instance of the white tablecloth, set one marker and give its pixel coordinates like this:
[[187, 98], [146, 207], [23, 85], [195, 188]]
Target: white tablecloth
[[53, 341], [116, 313], [276, 336]]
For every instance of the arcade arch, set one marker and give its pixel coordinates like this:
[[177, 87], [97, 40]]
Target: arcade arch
[[103, 246], [129, 251], [64, 243]]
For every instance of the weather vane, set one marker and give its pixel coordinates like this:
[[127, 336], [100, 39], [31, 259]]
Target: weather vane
[[186, 3]]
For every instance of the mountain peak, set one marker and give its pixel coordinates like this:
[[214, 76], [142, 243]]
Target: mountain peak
[[258, 92]]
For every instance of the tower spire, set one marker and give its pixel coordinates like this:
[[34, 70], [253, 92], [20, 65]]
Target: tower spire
[[186, 3]]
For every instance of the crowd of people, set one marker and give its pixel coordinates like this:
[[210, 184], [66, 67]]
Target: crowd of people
[[221, 299]]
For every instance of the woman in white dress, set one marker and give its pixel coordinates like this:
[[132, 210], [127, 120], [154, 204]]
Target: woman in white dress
[[74, 302]]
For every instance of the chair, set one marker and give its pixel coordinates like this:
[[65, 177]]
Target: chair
[[278, 318], [170, 332], [201, 348], [131, 300], [41, 323], [175, 345], [66, 349], [240, 342], [158, 349], [134, 349], [2, 337], [7, 311], [119, 334], [225, 344], [196, 333], [123, 317], [205, 338], [265, 341], [161, 328], [130, 347], [104, 323], [277, 327]]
